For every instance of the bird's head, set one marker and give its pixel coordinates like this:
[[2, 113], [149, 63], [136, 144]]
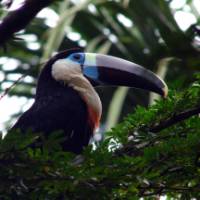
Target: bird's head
[[101, 69]]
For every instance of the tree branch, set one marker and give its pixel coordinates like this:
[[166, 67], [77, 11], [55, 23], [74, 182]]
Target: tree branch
[[162, 189], [132, 149], [175, 119], [20, 18]]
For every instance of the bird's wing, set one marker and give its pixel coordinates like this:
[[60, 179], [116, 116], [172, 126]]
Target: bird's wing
[[68, 116]]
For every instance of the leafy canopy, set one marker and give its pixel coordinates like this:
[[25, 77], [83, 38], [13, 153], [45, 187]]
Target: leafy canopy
[[139, 162]]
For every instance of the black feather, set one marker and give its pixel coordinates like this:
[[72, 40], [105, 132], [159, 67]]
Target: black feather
[[57, 108]]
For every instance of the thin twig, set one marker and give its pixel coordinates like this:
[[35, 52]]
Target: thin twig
[[175, 119], [7, 90]]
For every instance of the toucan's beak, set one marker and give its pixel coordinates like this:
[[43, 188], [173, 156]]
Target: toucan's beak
[[109, 70]]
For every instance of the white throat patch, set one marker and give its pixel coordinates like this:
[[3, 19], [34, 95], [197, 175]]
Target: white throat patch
[[64, 70]]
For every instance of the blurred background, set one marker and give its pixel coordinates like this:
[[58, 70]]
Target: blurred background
[[161, 35]]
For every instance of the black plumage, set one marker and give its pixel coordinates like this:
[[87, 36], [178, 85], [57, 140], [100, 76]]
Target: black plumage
[[57, 108]]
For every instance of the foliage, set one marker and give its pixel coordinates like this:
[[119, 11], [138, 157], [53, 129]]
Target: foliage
[[145, 164], [154, 151]]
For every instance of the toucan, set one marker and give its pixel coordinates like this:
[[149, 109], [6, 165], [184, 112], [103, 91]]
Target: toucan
[[66, 100]]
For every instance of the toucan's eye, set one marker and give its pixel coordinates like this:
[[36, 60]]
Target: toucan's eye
[[77, 57]]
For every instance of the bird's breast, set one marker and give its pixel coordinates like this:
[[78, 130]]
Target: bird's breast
[[90, 97], [94, 114]]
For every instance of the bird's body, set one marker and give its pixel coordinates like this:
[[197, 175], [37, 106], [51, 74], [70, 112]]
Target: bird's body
[[66, 100], [49, 114], [57, 108]]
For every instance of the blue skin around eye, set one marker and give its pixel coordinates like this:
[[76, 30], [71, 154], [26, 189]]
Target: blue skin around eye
[[80, 60], [89, 71]]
